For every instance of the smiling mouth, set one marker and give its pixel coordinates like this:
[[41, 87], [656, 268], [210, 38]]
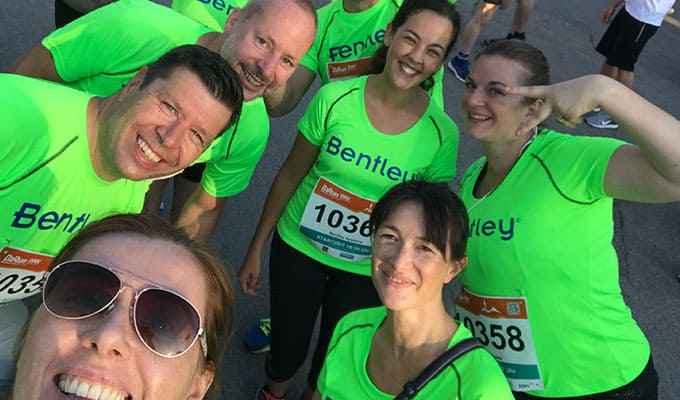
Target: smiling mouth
[[146, 150], [478, 117], [252, 79], [408, 70], [71, 385]]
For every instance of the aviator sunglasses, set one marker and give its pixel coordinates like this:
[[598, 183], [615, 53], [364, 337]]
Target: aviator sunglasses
[[165, 321]]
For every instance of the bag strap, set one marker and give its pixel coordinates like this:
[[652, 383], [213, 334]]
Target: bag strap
[[430, 372]]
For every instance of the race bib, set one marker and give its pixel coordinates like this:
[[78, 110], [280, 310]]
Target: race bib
[[21, 273], [502, 325], [336, 221], [348, 69]]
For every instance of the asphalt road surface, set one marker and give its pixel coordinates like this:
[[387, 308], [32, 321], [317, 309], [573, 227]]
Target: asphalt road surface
[[647, 236]]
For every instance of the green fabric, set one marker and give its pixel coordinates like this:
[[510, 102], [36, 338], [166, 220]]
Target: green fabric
[[344, 37], [362, 160], [232, 158], [99, 52], [476, 375], [211, 13], [48, 189], [117, 40], [545, 233]]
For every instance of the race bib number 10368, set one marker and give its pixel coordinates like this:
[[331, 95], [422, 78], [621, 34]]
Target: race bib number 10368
[[336, 221]]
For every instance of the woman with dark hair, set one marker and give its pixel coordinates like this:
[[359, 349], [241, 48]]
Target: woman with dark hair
[[132, 308], [419, 235], [540, 247], [357, 138]]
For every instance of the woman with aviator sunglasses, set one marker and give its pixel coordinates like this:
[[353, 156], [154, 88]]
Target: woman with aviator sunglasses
[[131, 309]]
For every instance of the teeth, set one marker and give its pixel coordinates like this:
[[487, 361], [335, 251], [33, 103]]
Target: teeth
[[408, 70], [252, 79], [395, 280], [148, 153], [478, 117], [94, 391]]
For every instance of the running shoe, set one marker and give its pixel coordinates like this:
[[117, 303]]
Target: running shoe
[[518, 36], [600, 119], [264, 394], [488, 42], [460, 67], [257, 340]]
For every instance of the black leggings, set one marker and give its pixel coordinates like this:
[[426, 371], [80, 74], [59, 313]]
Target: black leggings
[[63, 14], [299, 287], [644, 387]]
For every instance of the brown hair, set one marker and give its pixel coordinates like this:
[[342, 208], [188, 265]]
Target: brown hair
[[532, 59], [446, 218], [221, 294]]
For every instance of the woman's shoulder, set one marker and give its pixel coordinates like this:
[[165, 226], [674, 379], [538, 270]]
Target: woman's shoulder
[[492, 384], [335, 90], [364, 316]]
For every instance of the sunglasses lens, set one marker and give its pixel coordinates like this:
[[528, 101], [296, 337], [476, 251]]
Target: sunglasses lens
[[77, 289], [166, 322]]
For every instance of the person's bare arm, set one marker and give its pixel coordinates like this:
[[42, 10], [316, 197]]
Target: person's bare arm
[[282, 100], [37, 63], [200, 214], [299, 161], [648, 171], [609, 12]]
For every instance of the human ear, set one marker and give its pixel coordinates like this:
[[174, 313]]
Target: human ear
[[136, 80], [232, 19], [531, 118], [387, 38], [455, 266]]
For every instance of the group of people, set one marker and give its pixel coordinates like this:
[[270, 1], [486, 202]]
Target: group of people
[[364, 227]]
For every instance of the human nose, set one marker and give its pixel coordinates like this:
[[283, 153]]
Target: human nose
[[171, 133], [474, 96], [417, 54], [401, 258], [267, 66], [111, 333]]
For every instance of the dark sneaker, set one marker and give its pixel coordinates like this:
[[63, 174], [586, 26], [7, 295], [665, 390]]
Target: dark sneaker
[[517, 36], [488, 42], [600, 119], [460, 67], [264, 394], [257, 340]]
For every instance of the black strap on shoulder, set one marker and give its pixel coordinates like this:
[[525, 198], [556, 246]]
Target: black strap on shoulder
[[430, 372]]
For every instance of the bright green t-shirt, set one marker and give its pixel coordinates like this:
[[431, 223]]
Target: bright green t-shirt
[[48, 188], [542, 276], [99, 52], [475, 375], [116, 40], [345, 43], [211, 13], [327, 216], [232, 158]]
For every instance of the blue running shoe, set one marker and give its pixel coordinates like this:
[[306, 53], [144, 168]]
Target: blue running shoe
[[460, 67], [257, 340]]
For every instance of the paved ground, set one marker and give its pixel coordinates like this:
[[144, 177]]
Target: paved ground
[[646, 236]]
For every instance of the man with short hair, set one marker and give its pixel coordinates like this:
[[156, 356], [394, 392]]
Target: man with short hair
[[70, 158], [263, 42]]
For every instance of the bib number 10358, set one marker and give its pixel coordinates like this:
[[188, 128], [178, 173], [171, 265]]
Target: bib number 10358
[[21, 273], [336, 221], [502, 325]]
